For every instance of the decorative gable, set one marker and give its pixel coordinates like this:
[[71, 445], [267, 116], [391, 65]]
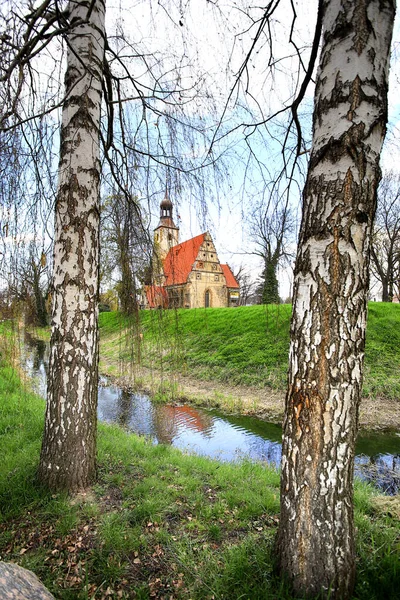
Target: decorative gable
[[207, 259]]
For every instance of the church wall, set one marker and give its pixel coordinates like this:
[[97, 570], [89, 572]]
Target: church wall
[[195, 293], [164, 239]]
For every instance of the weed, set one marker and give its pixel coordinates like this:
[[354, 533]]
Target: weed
[[166, 391]]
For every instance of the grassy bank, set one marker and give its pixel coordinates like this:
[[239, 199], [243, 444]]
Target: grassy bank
[[158, 523], [243, 346]]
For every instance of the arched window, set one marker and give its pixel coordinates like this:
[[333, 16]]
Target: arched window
[[207, 299]]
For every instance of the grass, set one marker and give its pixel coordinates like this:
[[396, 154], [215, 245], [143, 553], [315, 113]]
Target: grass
[[246, 345], [382, 353], [158, 523]]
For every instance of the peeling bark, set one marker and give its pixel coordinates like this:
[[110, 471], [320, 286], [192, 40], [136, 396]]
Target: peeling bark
[[69, 443], [316, 536]]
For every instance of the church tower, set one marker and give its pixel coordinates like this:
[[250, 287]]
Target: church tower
[[166, 234]]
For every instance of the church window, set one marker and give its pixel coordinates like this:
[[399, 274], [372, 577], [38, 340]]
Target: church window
[[207, 299], [212, 255], [216, 277], [170, 237], [214, 267], [204, 254], [198, 275], [200, 265]]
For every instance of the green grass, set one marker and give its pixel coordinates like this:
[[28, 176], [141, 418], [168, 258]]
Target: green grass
[[158, 523], [382, 352], [246, 345]]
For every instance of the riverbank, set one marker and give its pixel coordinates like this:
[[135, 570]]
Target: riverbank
[[376, 414], [158, 523], [236, 359]]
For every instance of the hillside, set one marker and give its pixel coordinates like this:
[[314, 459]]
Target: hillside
[[245, 346]]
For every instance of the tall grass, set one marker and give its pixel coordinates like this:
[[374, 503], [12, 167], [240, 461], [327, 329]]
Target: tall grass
[[382, 350]]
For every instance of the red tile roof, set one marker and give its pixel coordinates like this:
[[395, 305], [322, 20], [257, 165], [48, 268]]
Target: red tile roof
[[156, 296], [229, 276], [180, 259]]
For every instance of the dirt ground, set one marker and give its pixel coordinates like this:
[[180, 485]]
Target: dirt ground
[[375, 413]]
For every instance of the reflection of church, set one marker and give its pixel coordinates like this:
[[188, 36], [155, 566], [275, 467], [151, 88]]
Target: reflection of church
[[187, 274]]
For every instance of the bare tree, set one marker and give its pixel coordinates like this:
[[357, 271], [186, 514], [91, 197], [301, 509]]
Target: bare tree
[[31, 284], [272, 228], [385, 250], [246, 284], [126, 247]]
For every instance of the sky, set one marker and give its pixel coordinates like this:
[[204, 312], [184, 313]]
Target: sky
[[208, 42], [216, 42], [218, 46]]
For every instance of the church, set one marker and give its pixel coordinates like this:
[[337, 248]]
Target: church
[[187, 274]]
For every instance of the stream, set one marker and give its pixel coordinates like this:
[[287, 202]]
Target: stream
[[214, 434]]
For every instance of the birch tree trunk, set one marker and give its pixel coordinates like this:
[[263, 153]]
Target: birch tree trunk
[[69, 444], [316, 535]]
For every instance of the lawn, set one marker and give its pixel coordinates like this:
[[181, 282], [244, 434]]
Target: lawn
[[159, 523]]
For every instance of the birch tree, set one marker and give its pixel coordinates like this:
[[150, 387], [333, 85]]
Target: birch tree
[[143, 135], [69, 441], [316, 535]]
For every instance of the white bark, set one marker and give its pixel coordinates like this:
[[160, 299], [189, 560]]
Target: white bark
[[316, 536], [68, 450]]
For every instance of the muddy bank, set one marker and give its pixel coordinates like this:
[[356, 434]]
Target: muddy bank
[[376, 414]]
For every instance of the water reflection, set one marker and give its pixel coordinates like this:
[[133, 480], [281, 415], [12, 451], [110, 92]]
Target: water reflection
[[36, 357], [230, 438], [213, 434], [186, 427], [383, 468]]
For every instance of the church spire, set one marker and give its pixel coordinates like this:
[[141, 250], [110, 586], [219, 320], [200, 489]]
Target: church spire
[[166, 234], [166, 209]]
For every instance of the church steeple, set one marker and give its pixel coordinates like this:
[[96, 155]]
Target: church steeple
[[166, 209], [166, 234]]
